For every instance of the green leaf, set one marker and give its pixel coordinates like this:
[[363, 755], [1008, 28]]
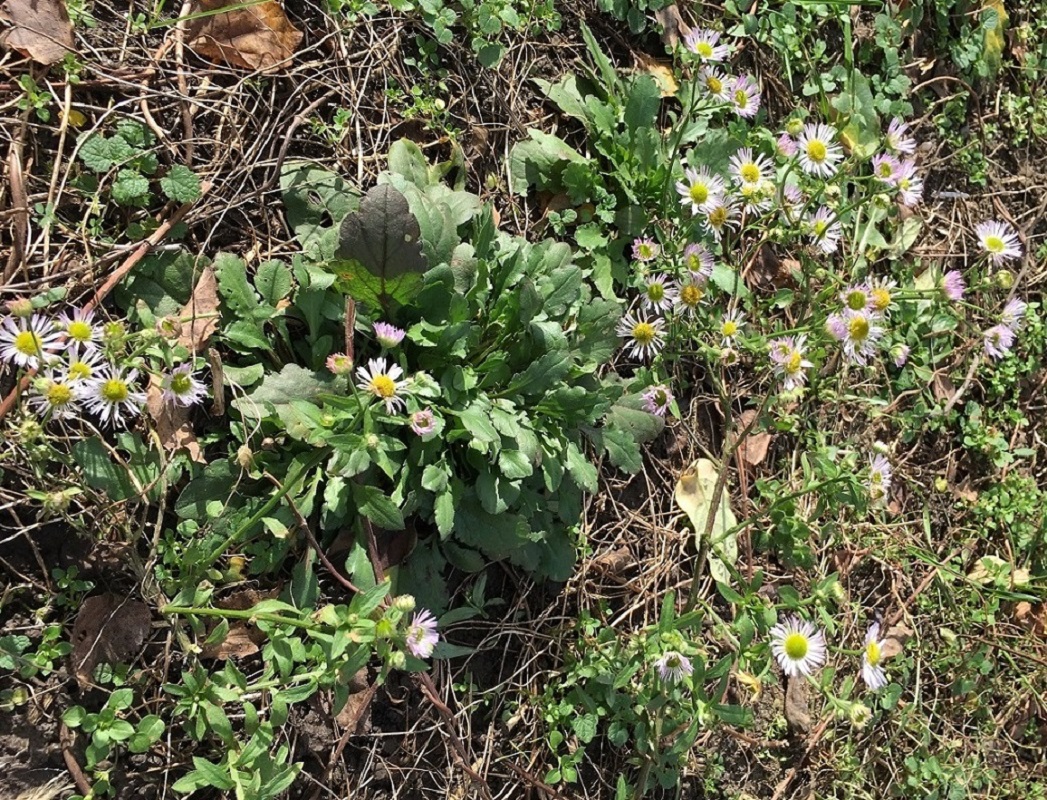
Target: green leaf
[[273, 281], [584, 727], [603, 64], [131, 188], [204, 774], [377, 507], [514, 464], [181, 184], [406, 159], [280, 388], [233, 285], [95, 153], [641, 108], [314, 197], [382, 238], [149, 731], [140, 468], [444, 511], [537, 161], [561, 289]]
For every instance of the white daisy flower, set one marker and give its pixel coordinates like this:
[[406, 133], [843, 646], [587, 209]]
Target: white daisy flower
[[872, 673], [825, 230], [998, 341], [659, 293], [698, 260], [880, 475], [1013, 315], [898, 139], [819, 152], [910, 187], [858, 332], [886, 168], [700, 190], [645, 337], [181, 387], [730, 326], [55, 397], [28, 342], [745, 96], [749, 169], [79, 326], [673, 667], [999, 240], [82, 365], [720, 216], [691, 293], [716, 83], [857, 297], [383, 380], [757, 197], [798, 646], [111, 394], [704, 43], [789, 361], [657, 400], [881, 298]]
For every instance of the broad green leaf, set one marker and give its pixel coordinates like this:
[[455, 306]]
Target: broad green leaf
[[315, 198], [273, 281], [378, 507], [406, 159], [131, 188], [233, 285], [280, 388], [139, 469], [694, 492], [181, 184], [537, 161], [641, 107]]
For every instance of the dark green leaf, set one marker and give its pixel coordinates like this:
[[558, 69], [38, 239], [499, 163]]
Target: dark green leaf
[[377, 507]]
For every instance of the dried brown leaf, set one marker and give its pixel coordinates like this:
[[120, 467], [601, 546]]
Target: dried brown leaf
[[244, 638], [662, 74], [753, 449], [172, 422], [109, 628], [199, 317], [894, 640], [40, 29], [673, 26], [258, 37], [797, 710], [356, 712]]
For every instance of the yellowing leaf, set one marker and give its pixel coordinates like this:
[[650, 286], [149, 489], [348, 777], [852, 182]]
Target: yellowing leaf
[[662, 74], [994, 22], [694, 491]]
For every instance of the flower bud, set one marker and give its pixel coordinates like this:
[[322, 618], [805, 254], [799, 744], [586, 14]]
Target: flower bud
[[404, 603], [900, 354], [114, 333], [339, 364], [169, 327], [794, 127], [384, 629], [245, 457], [397, 660], [1004, 279], [859, 714], [20, 307]]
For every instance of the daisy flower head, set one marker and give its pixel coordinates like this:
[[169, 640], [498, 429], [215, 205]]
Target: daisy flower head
[[757, 197], [421, 635], [872, 657], [705, 44], [730, 326], [699, 261], [55, 397], [898, 139], [825, 230], [82, 365], [645, 336], [79, 327], [28, 342], [112, 394], [700, 189], [999, 240], [798, 646], [791, 199], [745, 96], [691, 293], [645, 249], [181, 387], [857, 297], [819, 152], [879, 478], [1013, 315], [952, 286], [787, 146], [749, 169], [339, 364], [383, 380], [910, 187], [659, 293], [423, 422], [886, 169], [998, 340], [388, 336], [657, 399], [861, 332], [715, 83], [880, 295], [721, 215], [900, 354], [790, 364], [673, 667]]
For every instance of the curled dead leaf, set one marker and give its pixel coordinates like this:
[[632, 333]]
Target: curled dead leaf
[[673, 26], [797, 710], [110, 629], [199, 317], [172, 422], [243, 638], [258, 37], [662, 74], [40, 29], [894, 640], [753, 449]]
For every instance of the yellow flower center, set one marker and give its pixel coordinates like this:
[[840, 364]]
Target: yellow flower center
[[873, 654], [994, 244], [704, 49], [820, 227], [28, 343], [181, 383], [886, 170], [114, 390], [656, 292], [691, 295], [713, 84], [750, 172], [646, 251], [718, 217], [741, 98], [904, 184], [383, 386], [881, 298], [79, 330], [858, 328], [699, 193], [856, 300], [795, 646], [643, 333], [816, 151], [730, 328], [79, 370], [58, 394], [794, 365]]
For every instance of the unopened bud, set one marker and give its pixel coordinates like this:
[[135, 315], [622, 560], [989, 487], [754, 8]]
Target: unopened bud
[[169, 327], [397, 660], [404, 603], [245, 457], [859, 714], [1004, 279], [794, 127], [384, 629], [20, 307]]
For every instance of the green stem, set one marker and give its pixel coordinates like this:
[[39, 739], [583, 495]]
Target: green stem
[[247, 614]]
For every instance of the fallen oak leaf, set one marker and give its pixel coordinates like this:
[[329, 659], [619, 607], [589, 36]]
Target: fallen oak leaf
[[40, 29], [753, 449], [256, 36]]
